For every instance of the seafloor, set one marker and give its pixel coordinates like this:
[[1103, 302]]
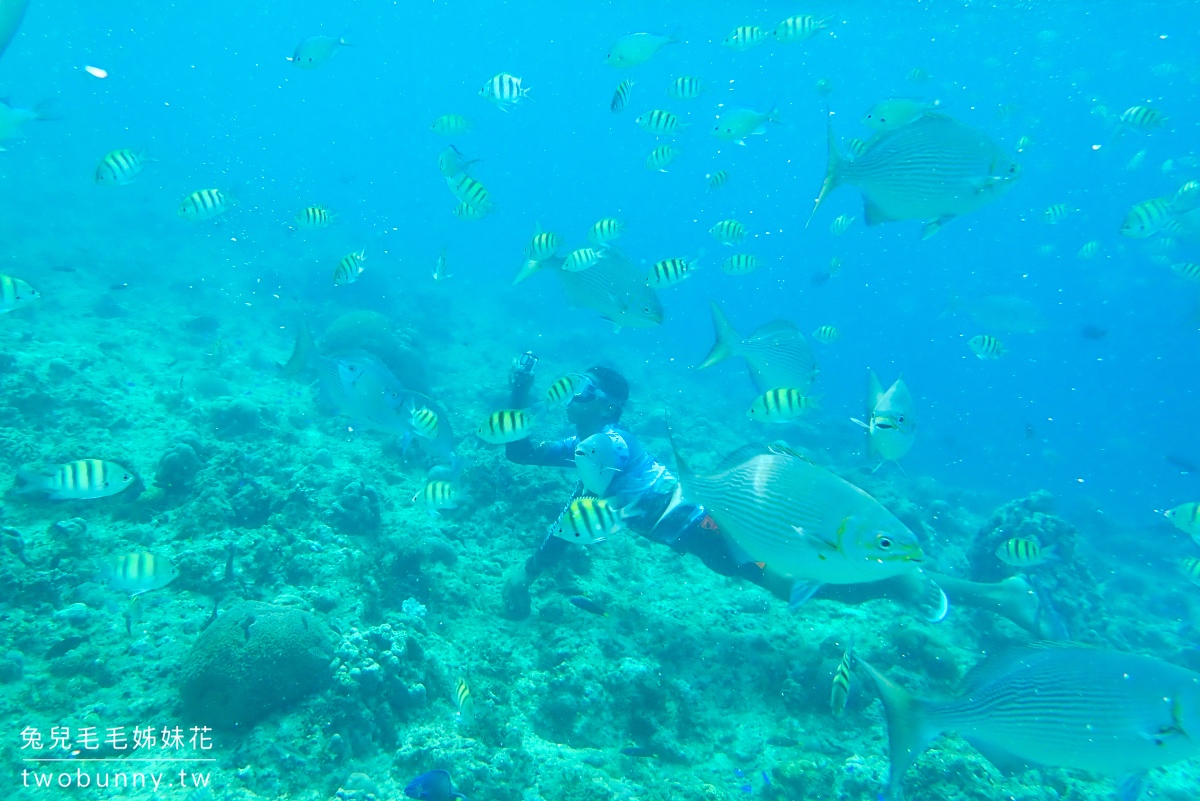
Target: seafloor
[[349, 614]]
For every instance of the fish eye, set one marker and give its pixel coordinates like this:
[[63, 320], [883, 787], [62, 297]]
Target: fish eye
[[884, 541], [900, 419]]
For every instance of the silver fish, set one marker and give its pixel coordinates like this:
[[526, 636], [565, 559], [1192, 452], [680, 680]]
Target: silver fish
[[1109, 712], [316, 51], [596, 460], [11, 14], [891, 426], [1006, 313], [777, 354], [935, 168], [614, 286], [804, 522]]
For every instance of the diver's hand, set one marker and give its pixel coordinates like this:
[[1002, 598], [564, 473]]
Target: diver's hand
[[520, 375]]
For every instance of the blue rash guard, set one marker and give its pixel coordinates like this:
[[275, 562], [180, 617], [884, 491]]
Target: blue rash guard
[[643, 490]]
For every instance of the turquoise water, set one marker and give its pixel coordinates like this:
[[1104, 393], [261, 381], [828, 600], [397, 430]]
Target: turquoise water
[[156, 344]]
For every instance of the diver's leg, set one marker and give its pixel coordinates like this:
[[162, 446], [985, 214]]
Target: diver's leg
[[515, 591], [720, 556]]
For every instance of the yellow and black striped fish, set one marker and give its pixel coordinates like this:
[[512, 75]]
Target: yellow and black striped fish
[[1190, 567], [425, 422], [465, 211], [15, 293], [1186, 198], [604, 231], [563, 390], [1147, 218], [620, 98], [506, 425], [661, 156], [686, 87], [780, 405], [204, 204], [1023, 553], [799, 28], [470, 191], [543, 245], [827, 335], [1088, 250], [1142, 118], [587, 521], [728, 232], [1056, 213], [1186, 518], [717, 179], [121, 167], [986, 347], [462, 699], [744, 37], [669, 272], [841, 224], [856, 147], [580, 259], [450, 125], [138, 572], [437, 495], [314, 217], [504, 90], [739, 264], [840, 693], [660, 122], [349, 268], [1188, 271], [83, 479]]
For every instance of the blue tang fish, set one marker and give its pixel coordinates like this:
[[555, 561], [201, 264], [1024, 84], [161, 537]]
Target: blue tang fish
[[432, 786]]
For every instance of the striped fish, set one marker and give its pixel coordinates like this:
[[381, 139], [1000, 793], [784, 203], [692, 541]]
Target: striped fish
[[739, 264], [1023, 144], [661, 156], [780, 405], [462, 700], [917, 75], [669, 272], [856, 147], [465, 211], [587, 521], [777, 354], [580, 259], [138, 572], [1147, 218], [660, 122], [799, 28], [562, 391], [620, 98], [1055, 213], [506, 425], [604, 231], [841, 224], [543, 245], [1190, 568], [349, 268], [1186, 518], [450, 125], [803, 521], [315, 217], [933, 169], [83, 479], [1142, 118], [614, 287], [686, 87], [1186, 198], [840, 693], [15, 293], [1063, 706], [1019, 552], [717, 179], [1188, 271], [728, 232], [436, 496], [121, 167], [1088, 250], [204, 204], [827, 335], [986, 347], [504, 90], [745, 37], [425, 422], [470, 191]]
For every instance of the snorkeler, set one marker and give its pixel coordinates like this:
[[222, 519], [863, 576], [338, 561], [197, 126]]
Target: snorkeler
[[645, 492], [641, 487]]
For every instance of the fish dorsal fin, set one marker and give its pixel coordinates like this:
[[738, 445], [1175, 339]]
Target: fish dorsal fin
[[743, 455], [776, 330], [874, 392], [1006, 662], [783, 449]]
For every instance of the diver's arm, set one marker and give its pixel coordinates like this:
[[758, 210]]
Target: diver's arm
[[543, 454]]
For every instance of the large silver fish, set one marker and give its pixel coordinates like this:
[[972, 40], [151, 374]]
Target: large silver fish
[[777, 354], [891, 426], [935, 168], [1006, 313], [613, 286], [804, 522], [1109, 712], [11, 14]]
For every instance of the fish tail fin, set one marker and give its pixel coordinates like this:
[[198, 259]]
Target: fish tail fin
[[530, 267], [909, 728], [48, 110], [1050, 552], [773, 114], [814, 401], [537, 408], [303, 352], [833, 170], [726, 339], [674, 37]]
